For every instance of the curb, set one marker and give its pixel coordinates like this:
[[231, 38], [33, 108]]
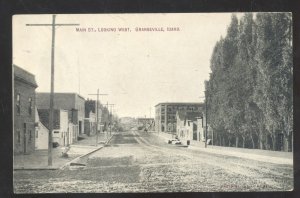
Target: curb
[[35, 168], [107, 141], [249, 156], [81, 156]]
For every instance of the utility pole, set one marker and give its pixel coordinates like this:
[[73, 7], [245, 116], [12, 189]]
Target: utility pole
[[53, 25], [97, 113], [78, 67], [111, 118], [109, 115]]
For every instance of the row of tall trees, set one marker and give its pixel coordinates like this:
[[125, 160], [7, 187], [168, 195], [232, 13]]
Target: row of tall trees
[[250, 90]]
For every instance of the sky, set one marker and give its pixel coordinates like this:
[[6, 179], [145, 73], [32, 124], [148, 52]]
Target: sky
[[136, 69]]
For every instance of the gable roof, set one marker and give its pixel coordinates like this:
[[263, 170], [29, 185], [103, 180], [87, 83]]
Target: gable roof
[[44, 116]]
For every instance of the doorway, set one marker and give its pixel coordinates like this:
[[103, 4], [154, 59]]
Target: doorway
[[80, 123]]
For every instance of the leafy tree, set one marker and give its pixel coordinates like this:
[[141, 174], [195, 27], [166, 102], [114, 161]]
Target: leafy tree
[[250, 87]]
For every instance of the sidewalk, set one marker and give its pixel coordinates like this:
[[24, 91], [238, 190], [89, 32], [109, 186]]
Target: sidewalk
[[277, 157], [38, 160]]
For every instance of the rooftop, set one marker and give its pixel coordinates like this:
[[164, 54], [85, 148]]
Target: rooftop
[[183, 115], [24, 76], [62, 93]]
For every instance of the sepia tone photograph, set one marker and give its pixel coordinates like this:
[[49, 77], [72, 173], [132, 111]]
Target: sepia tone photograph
[[165, 102]]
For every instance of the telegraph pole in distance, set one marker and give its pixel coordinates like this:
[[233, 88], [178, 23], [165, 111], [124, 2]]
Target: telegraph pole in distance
[[111, 109], [52, 81], [97, 113], [110, 114]]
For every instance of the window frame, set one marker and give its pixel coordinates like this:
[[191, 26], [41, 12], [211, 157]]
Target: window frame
[[30, 136], [18, 103], [30, 106], [19, 136]]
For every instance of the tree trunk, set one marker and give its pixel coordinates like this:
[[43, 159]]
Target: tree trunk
[[286, 143], [260, 140], [273, 142], [243, 142], [252, 140], [287, 136], [266, 142], [237, 141], [290, 143]]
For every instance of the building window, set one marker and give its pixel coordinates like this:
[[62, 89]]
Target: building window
[[30, 106], [30, 136], [24, 130], [18, 103], [37, 134], [18, 136]]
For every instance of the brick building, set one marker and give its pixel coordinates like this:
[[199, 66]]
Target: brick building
[[24, 111], [72, 102], [165, 114]]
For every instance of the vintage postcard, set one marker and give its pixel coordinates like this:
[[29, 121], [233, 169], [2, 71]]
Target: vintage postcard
[[181, 102]]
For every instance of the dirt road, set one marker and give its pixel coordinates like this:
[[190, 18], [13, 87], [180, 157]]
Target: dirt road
[[141, 162]]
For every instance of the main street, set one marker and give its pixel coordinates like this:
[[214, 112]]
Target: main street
[[142, 162]]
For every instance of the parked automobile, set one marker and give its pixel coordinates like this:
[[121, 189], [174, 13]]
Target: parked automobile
[[174, 141]]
